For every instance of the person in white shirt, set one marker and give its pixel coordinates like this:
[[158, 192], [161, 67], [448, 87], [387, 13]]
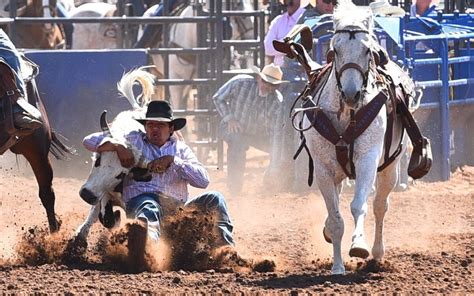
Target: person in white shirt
[[279, 28]]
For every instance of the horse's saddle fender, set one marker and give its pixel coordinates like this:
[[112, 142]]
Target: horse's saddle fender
[[9, 94], [421, 158]]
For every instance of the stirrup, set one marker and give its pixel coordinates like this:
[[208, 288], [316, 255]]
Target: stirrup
[[421, 160]]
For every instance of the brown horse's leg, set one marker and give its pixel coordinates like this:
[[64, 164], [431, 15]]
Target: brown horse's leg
[[35, 149]]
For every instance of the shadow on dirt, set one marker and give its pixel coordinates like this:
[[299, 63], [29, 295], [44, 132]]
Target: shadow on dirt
[[309, 280], [364, 272]]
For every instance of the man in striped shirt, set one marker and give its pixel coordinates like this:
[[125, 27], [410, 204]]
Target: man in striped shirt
[[173, 166], [251, 111]]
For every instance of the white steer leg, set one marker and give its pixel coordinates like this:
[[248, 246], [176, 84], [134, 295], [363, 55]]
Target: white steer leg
[[84, 228], [386, 181], [366, 169]]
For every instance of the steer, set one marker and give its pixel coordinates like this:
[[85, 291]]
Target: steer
[[102, 188]]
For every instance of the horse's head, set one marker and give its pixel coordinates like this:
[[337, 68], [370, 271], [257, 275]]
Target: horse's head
[[353, 51], [242, 26]]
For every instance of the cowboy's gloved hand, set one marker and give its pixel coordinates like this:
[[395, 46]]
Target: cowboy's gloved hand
[[233, 126], [161, 164]]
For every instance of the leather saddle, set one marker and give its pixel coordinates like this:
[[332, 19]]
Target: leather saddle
[[403, 88], [9, 96]]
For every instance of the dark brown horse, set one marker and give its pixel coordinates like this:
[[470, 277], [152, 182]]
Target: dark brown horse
[[44, 36], [36, 148]]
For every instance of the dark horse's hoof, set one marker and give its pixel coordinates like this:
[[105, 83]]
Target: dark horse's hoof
[[55, 224]]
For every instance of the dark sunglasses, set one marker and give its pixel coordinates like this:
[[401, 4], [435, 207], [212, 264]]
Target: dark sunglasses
[[334, 2]]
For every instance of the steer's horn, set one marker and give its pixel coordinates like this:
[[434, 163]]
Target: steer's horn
[[104, 125]]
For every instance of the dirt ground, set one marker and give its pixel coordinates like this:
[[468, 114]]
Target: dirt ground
[[429, 238]]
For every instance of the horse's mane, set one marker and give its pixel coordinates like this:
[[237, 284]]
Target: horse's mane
[[347, 14]]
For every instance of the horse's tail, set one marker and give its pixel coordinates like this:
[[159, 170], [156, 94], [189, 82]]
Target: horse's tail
[[146, 80], [58, 149]]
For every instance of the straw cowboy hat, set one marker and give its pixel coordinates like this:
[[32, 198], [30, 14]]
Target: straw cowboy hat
[[270, 73], [382, 7], [161, 111]]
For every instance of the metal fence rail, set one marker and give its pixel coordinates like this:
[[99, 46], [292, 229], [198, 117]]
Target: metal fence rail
[[211, 44]]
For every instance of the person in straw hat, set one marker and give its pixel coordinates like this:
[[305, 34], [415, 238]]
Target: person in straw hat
[[250, 109], [382, 7], [173, 167]]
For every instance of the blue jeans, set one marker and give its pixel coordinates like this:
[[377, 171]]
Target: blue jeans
[[237, 146], [11, 56], [147, 205]]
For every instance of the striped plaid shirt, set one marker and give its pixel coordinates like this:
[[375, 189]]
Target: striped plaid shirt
[[238, 99], [185, 169]]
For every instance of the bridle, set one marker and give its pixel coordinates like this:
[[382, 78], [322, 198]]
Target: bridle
[[358, 68], [242, 29]]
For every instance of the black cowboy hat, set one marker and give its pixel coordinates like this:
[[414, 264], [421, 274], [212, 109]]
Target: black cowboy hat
[[161, 111]]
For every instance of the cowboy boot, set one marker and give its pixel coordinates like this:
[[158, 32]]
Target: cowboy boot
[[24, 120]]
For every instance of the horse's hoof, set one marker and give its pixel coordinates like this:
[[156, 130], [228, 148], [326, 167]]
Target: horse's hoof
[[55, 225], [117, 218], [326, 237], [359, 252], [378, 251], [338, 270]]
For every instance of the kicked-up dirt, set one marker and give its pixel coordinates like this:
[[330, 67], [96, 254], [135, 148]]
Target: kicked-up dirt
[[429, 240]]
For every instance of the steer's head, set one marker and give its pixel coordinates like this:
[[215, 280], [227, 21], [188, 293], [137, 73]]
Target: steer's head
[[107, 172]]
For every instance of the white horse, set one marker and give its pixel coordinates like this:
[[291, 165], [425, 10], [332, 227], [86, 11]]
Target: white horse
[[184, 35], [95, 35], [107, 171], [349, 86]]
